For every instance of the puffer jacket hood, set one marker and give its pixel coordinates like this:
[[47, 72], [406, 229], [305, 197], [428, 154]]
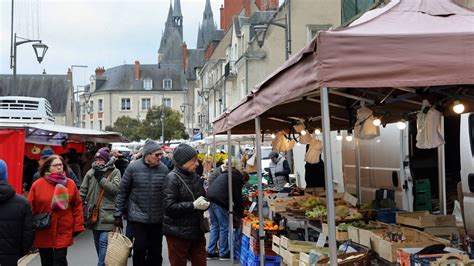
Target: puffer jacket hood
[[6, 191]]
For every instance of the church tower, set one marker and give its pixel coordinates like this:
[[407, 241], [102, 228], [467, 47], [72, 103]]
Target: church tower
[[178, 17], [207, 29]]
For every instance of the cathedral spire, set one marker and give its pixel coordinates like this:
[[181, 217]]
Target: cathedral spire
[[169, 20], [177, 9], [208, 27], [208, 9]]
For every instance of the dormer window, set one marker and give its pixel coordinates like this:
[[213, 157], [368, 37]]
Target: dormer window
[[147, 84], [167, 84]]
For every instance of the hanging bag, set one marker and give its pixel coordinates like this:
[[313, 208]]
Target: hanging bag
[[118, 248], [204, 223], [91, 211]]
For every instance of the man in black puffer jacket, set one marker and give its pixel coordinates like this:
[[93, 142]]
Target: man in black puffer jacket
[[218, 195], [184, 204], [141, 194], [16, 222]]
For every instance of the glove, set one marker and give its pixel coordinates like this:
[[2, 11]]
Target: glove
[[98, 175], [118, 223], [201, 204]]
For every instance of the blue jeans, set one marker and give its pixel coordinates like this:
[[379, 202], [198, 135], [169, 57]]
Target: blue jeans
[[219, 230], [100, 241]]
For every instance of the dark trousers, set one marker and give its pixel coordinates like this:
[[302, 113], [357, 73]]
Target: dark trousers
[[147, 245], [179, 250], [53, 256]]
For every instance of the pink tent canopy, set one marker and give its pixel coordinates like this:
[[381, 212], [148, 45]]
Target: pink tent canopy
[[407, 43]]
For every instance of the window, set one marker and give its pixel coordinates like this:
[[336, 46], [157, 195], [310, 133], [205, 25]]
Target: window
[[167, 84], [126, 104], [91, 105], [167, 102], [147, 84], [314, 29], [92, 124], [100, 105], [146, 103], [100, 124]]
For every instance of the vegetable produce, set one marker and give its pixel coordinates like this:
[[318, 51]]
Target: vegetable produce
[[316, 212]]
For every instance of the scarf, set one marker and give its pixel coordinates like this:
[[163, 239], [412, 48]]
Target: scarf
[[104, 167], [60, 199]]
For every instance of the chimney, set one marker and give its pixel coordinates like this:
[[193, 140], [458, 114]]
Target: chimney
[[99, 71], [137, 70], [185, 50], [222, 17]]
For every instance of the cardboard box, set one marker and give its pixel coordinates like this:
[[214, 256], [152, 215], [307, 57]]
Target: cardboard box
[[423, 219], [404, 255]]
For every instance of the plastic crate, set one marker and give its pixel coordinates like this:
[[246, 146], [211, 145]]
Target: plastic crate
[[387, 215], [243, 256], [254, 260]]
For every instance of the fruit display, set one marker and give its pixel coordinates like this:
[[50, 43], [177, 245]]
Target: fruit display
[[316, 213], [397, 237], [313, 202], [268, 225]]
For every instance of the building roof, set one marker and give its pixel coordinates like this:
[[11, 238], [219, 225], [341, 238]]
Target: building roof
[[195, 59], [46, 86], [122, 78]]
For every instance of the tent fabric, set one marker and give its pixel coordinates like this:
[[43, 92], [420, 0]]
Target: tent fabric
[[413, 43], [12, 150], [407, 43]]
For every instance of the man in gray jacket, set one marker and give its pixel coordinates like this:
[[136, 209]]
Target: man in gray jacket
[[140, 194]]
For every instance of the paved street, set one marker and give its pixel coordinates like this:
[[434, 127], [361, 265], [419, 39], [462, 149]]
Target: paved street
[[83, 253]]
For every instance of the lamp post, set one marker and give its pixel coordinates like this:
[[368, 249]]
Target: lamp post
[[163, 121], [261, 32], [39, 47]]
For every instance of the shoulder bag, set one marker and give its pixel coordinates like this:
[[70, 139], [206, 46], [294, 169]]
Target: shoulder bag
[[91, 211], [42, 220]]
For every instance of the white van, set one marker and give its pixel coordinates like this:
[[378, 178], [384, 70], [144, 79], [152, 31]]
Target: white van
[[22, 110]]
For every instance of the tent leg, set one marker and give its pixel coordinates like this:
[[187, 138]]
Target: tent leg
[[328, 171], [442, 173], [231, 207], [357, 172], [214, 161], [261, 233]]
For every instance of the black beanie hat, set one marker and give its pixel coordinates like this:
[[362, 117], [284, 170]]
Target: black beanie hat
[[183, 153]]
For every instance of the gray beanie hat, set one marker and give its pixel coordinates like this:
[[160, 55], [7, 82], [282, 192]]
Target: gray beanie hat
[[273, 154], [183, 153], [150, 147]]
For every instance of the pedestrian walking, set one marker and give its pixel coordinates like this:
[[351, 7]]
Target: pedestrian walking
[[218, 195], [55, 194], [99, 188], [184, 204], [140, 196], [16, 226]]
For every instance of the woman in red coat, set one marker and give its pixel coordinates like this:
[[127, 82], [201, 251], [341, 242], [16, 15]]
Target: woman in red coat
[[56, 194]]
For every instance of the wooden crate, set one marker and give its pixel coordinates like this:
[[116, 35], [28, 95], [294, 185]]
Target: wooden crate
[[423, 219], [304, 259], [296, 245], [289, 258], [415, 238], [362, 236], [340, 236], [279, 204], [276, 244], [443, 231]]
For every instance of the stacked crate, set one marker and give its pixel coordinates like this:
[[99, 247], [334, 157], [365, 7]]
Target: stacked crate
[[423, 195]]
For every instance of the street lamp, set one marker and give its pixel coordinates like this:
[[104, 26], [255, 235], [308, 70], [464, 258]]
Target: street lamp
[[183, 109], [39, 48], [261, 32]]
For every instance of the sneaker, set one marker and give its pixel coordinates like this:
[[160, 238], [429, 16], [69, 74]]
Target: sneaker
[[225, 257], [211, 256]]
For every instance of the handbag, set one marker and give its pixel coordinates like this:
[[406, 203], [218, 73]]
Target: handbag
[[204, 222], [91, 211], [42, 220], [118, 248]]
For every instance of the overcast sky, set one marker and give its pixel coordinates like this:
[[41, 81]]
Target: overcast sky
[[92, 32]]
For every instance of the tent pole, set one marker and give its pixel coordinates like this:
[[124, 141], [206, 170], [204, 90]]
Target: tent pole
[[357, 171], [328, 171], [442, 173], [214, 160], [261, 233], [231, 205]]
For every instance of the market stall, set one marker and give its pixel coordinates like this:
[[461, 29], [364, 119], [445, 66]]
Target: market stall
[[390, 59], [17, 141]]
